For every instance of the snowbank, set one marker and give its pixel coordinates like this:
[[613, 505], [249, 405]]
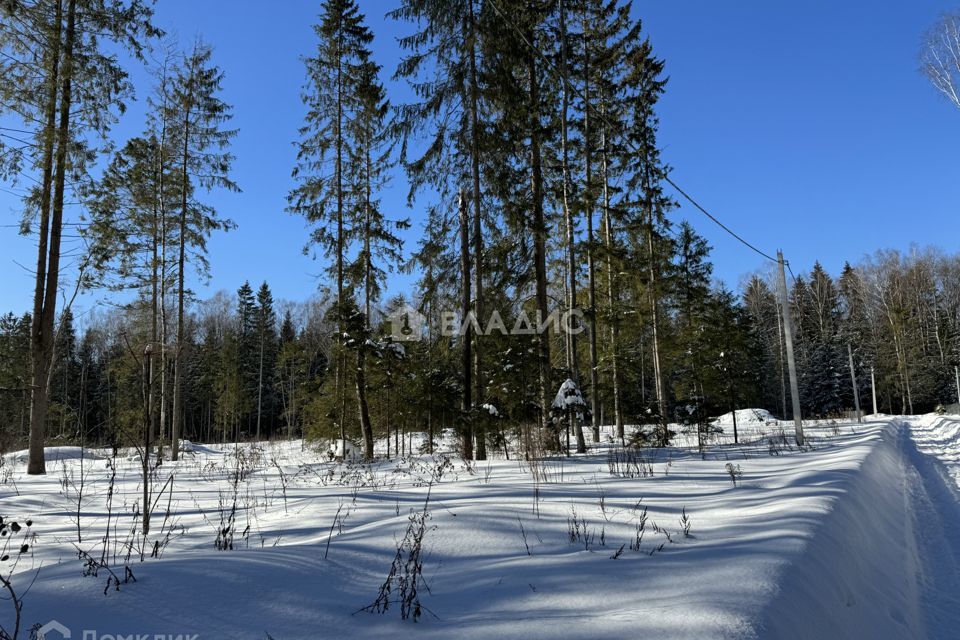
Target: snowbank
[[746, 417]]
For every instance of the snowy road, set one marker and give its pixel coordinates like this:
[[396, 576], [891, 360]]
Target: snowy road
[[931, 447]]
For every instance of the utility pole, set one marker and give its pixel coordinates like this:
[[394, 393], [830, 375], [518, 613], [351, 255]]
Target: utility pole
[[853, 380], [873, 390], [788, 338]]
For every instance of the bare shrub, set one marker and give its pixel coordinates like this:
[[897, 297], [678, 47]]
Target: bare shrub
[[628, 462], [684, 523], [15, 548], [734, 472]]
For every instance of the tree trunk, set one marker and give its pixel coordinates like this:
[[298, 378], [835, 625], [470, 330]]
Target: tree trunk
[[366, 428], [48, 256], [338, 173], [181, 271], [260, 386], [591, 269], [160, 277], [612, 297], [539, 241], [480, 432], [654, 313], [571, 338], [466, 403]]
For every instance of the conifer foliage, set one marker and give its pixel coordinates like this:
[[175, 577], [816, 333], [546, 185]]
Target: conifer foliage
[[530, 138]]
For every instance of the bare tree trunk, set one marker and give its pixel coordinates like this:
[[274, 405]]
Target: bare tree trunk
[[573, 364], [466, 402], [654, 313], [48, 256], [365, 426], [160, 276], [147, 383], [338, 172], [612, 296], [591, 269], [260, 386], [181, 292], [539, 241], [479, 431]]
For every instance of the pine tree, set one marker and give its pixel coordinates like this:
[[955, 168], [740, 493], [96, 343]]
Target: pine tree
[[132, 226], [198, 118], [444, 67], [612, 52], [59, 77], [856, 329]]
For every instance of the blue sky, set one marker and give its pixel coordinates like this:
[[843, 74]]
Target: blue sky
[[805, 126]]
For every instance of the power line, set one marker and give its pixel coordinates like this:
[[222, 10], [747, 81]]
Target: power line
[[587, 105], [795, 278], [712, 217]]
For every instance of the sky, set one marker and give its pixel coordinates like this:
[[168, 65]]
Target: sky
[[803, 126]]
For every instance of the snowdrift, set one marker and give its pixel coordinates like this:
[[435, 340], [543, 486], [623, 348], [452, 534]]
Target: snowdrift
[[746, 417]]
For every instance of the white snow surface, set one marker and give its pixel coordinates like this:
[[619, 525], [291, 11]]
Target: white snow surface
[[857, 536], [747, 417]]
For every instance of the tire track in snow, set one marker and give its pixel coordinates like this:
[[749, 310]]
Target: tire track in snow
[[936, 523]]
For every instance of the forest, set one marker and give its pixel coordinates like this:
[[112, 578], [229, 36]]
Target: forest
[[535, 167]]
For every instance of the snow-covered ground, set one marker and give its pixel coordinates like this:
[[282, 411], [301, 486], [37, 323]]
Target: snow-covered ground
[[856, 536]]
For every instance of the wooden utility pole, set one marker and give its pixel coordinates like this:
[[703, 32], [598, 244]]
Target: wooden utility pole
[[788, 339], [853, 381], [873, 390]]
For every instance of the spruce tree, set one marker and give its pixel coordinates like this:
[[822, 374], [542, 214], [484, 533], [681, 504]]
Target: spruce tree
[[346, 109], [291, 372], [691, 302], [265, 321]]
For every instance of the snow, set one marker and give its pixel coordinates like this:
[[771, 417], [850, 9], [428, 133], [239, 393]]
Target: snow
[[491, 409], [855, 536], [568, 396], [345, 450], [746, 417]]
